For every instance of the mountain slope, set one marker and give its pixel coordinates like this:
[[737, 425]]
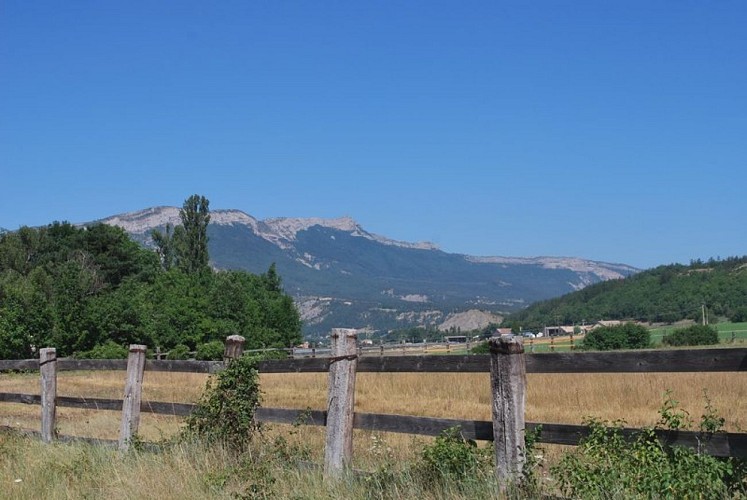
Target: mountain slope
[[664, 294], [342, 275]]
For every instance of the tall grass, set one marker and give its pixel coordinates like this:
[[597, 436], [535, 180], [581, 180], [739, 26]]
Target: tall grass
[[557, 398], [193, 471], [31, 470]]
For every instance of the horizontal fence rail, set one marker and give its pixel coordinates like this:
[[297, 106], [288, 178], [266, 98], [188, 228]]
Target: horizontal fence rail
[[722, 444], [651, 361], [696, 360]]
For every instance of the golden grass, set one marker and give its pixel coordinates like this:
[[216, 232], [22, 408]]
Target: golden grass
[[558, 398], [185, 473]]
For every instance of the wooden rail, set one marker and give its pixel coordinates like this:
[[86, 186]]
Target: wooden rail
[[722, 444], [646, 361], [510, 433]]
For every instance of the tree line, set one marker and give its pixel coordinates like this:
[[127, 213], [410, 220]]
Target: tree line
[[81, 288], [661, 295]]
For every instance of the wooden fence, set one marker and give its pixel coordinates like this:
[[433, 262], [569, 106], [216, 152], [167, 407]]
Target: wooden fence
[[507, 365]]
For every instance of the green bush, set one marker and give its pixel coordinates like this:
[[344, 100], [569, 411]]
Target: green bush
[[692, 335], [607, 465], [626, 336], [107, 350], [179, 351], [453, 458], [225, 412], [212, 351], [739, 315], [481, 348]]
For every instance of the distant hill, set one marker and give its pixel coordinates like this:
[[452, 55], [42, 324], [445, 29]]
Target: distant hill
[[344, 276], [665, 294]]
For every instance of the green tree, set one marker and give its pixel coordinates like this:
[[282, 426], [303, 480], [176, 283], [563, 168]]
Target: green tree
[[693, 335], [191, 238], [165, 247], [626, 336]]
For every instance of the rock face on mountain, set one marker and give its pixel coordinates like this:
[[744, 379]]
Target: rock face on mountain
[[469, 320], [343, 276]]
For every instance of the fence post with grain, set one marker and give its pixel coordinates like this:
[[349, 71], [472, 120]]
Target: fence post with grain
[[48, 368], [132, 396], [508, 386], [234, 348], [338, 450]]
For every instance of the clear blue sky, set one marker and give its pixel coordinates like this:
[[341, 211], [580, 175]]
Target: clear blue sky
[[610, 131]]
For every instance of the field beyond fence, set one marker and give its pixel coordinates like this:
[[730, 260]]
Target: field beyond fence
[[555, 382]]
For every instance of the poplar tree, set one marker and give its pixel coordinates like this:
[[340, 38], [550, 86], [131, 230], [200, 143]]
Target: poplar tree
[[191, 237]]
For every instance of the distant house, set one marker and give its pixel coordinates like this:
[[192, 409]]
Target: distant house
[[553, 331], [608, 323], [456, 339], [502, 331]]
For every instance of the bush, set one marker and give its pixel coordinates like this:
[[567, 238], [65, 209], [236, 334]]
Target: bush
[[212, 351], [481, 348], [739, 315], [452, 458], [627, 336], [225, 412], [107, 350], [607, 465], [179, 351], [692, 335]]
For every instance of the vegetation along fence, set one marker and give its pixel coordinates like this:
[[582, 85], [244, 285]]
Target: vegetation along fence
[[507, 364]]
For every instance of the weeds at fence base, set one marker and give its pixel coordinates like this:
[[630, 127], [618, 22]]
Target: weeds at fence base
[[607, 465]]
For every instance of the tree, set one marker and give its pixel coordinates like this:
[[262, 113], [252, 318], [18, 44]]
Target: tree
[[165, 247], [693, 335], [192, 239], [625, 336]]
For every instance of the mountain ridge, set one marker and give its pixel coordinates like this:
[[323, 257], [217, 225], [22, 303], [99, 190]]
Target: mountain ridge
[[342, 275]]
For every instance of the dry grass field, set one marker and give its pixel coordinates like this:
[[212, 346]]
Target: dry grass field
[[77, 471], [558, 398]]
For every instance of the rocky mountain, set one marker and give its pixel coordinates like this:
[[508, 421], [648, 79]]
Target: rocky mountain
[[344, 276]]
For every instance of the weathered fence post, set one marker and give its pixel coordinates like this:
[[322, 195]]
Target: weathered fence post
[[132, 396], [48, 368], [234, 348], [338, 450], [508, 384]]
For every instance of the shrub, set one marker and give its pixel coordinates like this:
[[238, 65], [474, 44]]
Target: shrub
[[225, 412], [455, 459], [607, 465], [692, 335], [739, 315], [626, 336], [179, 351], [107, 350], [212, 351], [481, 348]]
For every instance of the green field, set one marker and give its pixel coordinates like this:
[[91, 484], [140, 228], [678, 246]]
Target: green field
[[563, 344], [726, 331]]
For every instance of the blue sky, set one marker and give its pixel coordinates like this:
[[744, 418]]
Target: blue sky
[[610, 131]]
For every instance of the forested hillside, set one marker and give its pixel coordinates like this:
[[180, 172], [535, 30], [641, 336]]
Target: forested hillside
[[664, 294], [79, 288]]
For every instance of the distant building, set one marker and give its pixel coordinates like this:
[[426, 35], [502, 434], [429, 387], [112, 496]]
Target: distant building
[[608, 323], [502, 331], [456, 339], [554, 331]]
